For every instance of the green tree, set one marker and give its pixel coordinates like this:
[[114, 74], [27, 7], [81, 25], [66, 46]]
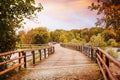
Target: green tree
[[75, 41], [109, 34], [85, 34], [41, 35], [63, 38], [112, 42], [55, 35], [97, 41], [112, 53], [12, 12], [95, 31]]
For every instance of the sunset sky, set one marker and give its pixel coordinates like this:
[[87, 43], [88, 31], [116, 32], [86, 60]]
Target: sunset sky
[[63, 14]]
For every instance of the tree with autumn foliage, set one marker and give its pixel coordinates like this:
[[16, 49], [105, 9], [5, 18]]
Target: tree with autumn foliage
[[110, 9]]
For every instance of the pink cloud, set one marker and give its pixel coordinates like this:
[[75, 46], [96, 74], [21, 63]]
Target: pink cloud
[[72, 12]]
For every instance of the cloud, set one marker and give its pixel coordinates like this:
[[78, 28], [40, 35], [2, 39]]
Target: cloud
[[66, 14]]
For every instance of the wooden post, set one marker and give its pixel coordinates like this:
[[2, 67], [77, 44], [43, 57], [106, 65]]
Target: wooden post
[[107, 63], [53, 49], [33, 54], [20, 54], [48, 51], [25, 60], [45, 53], [92, 53], [40, 55]]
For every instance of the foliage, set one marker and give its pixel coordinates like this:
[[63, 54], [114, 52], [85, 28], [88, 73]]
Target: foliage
[[41, 35], [97, 41], [95, 30], [112, 53], [112, 42], [63, 38], [38, 35], [75, 41], [82, 42], [12, 12], [55, 35], [110, 9], [29, 37], [22, 37], [108, 34]]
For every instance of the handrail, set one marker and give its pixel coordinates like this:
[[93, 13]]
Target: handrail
[[116, 62], [21, 57], [98, 55]]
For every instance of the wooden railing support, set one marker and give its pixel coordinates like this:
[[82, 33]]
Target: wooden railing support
[[40, 56], [44, 53], [33, 55], [19, 60], [25, 60]]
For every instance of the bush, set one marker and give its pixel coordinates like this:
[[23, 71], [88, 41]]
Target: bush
[[75, 41], [112, 42], [97, 41], [112, 53]]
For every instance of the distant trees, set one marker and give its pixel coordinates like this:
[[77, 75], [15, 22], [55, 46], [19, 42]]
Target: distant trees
[[109, 34], [38, 35], [97, 41], [95, 36]]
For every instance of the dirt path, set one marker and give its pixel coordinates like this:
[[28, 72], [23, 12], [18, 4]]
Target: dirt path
[[64, 64]]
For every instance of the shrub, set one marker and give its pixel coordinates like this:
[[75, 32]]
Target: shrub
[[112, 42], [75, 41], [112, 53]]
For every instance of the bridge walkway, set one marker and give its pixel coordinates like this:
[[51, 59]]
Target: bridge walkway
[[64, 64]]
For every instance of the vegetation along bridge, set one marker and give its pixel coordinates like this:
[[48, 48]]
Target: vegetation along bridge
[[74, 62]]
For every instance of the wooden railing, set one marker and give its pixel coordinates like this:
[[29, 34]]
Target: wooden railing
[[103, 59], [21, 59]]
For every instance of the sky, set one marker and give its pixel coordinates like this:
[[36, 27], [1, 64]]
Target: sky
[[63, 14]]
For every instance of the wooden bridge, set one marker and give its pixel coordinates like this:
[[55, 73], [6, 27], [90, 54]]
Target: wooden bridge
[[74, 62]]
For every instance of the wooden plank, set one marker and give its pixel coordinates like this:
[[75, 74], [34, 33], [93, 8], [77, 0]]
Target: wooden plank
[[11, 68], [106, 67], [11, 60]]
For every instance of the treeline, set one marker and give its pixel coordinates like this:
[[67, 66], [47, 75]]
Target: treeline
[[95, 36]]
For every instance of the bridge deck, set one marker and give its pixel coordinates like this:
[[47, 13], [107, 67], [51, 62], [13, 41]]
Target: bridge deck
[[64, 64]]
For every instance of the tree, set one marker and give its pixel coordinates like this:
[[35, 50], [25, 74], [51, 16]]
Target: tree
[[40, 35], [112, 42], [112, 53], [111, 11], [12, 12], [63, 38], [55, 35], [22, 37], [95, 31], [108, 34], [85, 34], [75, 41], [97, 41], [29, 37]]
